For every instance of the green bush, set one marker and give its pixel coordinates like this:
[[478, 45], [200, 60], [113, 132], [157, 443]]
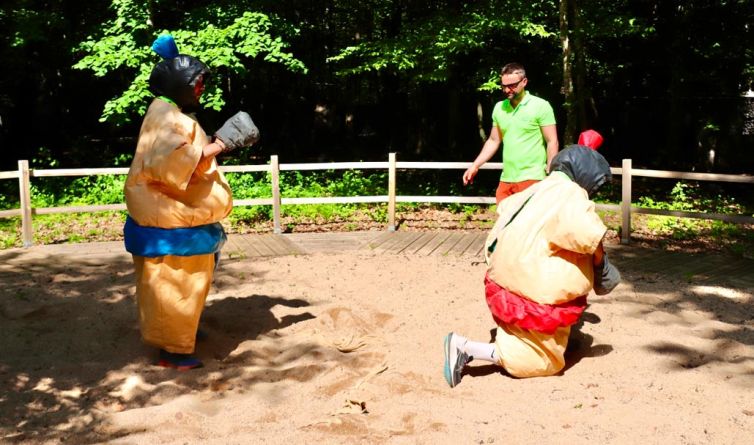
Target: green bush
[[689, 198]]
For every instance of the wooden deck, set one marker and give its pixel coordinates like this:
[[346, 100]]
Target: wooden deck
[[706, 268], [410, 243]]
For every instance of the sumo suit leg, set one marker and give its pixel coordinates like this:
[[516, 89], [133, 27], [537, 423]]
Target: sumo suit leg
[[525, 353], [171, 291]]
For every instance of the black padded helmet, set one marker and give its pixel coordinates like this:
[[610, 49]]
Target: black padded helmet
[[175, 79], [584, 166]]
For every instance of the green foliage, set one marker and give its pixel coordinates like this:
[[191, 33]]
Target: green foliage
[[315, 184], [124, 44], [687, 197], [9, 230], [428, 47], [250, 186], [87, 190]]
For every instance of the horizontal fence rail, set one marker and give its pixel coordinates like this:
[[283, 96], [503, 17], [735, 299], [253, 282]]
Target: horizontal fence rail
[[625, 208]]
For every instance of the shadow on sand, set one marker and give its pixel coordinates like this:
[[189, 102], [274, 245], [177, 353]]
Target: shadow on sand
[[69, 339]]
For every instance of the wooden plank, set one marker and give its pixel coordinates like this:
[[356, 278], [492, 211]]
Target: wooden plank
[[244, 168], [24, 187], [251, 247], [10, 213], [336, 200], [482, 241], [275, 180], [732, 270], [328, 242], [462, 245], [286, 245], [738, 219], [269, 242], [436, 241], [243, 247], [252, 202], [233, 248], [445, 248], [79, 172], [447, 199], [629, 258], [422, 241], [407, 241], [79, 209], [475, 245], [743, 282], [396, 239], [391, 193], [747, 179], [625, 203], [690, 265], [448, 165], [334, 166], [657, 262], [380, 240]]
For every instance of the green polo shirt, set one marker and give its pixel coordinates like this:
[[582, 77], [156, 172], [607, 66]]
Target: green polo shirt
[[524, 148]]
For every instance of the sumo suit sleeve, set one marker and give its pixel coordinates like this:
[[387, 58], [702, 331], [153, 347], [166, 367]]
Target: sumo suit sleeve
[[174, 154], [576, 227], [606, 277]]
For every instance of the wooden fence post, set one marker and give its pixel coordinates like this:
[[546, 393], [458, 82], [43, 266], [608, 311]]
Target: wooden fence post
[[391, 193], [24, 187], [275, 170], [625, 202]]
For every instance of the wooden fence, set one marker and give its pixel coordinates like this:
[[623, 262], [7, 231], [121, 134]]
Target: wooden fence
[[625, 208]]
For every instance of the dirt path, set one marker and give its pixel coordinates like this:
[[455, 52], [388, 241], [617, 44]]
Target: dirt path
[[347, 348]]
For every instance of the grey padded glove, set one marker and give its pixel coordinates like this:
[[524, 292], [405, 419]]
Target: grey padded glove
[[238, 131], [606, 277]]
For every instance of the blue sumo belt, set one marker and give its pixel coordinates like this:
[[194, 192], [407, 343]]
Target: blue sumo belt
[[153, 242]]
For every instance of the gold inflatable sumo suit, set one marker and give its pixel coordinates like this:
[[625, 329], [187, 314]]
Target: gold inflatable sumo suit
[[545, 256], [170, 186]]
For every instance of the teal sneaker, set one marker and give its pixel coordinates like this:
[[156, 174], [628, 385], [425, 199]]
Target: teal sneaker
[[455, 360]]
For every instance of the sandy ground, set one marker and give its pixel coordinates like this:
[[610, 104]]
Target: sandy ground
[[347, 348]]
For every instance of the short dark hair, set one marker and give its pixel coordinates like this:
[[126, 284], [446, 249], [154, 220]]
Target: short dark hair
[[513, 68]]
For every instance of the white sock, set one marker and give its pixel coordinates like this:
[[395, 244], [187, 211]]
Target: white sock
[[479, 351]]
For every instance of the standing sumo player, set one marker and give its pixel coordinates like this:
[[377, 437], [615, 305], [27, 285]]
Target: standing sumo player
[[176, 197]]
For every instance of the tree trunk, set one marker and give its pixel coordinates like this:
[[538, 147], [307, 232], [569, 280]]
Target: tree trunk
[[567, 89], [581, 93]]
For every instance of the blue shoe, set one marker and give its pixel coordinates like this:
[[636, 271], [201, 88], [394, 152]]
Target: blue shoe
[[455, 360], [181, 362]]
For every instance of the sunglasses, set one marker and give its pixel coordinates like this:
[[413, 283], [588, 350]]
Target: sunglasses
[[514, 85]]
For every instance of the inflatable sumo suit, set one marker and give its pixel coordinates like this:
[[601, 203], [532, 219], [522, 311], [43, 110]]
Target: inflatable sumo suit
[[540, 265], [175, 201]]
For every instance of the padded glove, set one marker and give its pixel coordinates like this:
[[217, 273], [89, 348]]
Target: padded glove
[[606, 277], [238, 131]]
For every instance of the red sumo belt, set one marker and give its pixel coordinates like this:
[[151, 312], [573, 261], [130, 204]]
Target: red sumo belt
[[512, 309]]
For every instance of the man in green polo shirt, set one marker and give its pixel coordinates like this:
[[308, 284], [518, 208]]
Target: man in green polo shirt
[[525, 124]]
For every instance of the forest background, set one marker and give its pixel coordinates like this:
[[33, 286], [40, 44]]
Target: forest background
[[667, 82], [664, 81]]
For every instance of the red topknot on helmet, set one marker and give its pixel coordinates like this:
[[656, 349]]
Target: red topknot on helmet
[[591, 139]]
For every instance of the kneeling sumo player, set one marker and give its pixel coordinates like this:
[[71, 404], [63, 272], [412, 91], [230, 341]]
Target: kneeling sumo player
[[544, 255]]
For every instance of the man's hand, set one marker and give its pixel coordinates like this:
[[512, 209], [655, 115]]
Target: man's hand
[[468, 175], [488, 150]]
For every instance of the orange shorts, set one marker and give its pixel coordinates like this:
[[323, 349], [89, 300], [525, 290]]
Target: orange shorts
[[505, 189]]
